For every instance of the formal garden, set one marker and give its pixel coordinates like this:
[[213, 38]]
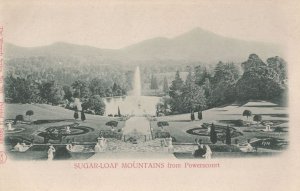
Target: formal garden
[[222, 108]]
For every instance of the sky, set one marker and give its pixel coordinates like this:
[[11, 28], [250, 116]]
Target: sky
[[118, 23]]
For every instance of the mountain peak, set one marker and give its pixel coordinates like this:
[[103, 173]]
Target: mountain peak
[[199, 30], [196, 32], [195, 45]]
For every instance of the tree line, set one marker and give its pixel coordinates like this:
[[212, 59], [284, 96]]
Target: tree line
[[196, 87], [225, 84], [29, 90]]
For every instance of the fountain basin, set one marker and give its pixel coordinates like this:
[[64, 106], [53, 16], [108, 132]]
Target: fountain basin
[[132, 105]]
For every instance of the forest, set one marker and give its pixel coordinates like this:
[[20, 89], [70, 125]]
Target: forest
[[183, 88], [227, 83]]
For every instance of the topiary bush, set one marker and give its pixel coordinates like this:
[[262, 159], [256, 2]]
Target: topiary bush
[[192, 116], [247, 113], [257, 118], [19, 118]]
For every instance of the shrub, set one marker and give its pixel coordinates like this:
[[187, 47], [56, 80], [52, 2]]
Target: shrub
[[29, 113], [162, 134], [279, 129], [240, 122], [257, 118], [192, 116], [213, 134], [200, 115], [76, 115], [82, 116], [160, 114], [119, 112], [19, 118], [112, 124], [162, 124], [228, 136], [236, 141], [247, 113]]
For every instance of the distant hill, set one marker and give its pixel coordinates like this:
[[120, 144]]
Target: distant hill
[[59, 49], [195, 45]]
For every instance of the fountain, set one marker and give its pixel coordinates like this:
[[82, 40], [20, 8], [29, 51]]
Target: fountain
[[135, 103], [137, 91], [137, 82], [137, 127]]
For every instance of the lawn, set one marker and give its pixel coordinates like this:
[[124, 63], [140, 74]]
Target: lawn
[[48, 112], [179, 124]]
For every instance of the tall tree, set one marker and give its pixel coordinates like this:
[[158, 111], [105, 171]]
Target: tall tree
[[68, 92], [193, 95], [116, 90], [119, 112], [261, 83], [81, 89], [52, 92], [200, 115], [213, 134], [18, 89], [225, 72], [57, 95], [176, 85], [207, 91], [175, 93], [164, 105], [192, 116], [247, 113], [193, 98], [97, 87], [95, 103], [253, 62], [224, 82], [76, 115], [279, 65], [82, 116], [165, 85], [153, 84], [201, 74], [228, 136]]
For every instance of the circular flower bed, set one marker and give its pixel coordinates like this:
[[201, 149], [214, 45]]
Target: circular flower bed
[[220, 130], [15, 130], [56, 132]]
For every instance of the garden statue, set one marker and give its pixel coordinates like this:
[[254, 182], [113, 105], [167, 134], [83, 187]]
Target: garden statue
[[68, 131], [9, 127], [200, 152], [51, 151], [102, 143], [268, 128], [17, 147], [208, 152], [97, 148], [169, 144]]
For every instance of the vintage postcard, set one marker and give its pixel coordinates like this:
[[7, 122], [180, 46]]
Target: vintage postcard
[[144, 95]]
